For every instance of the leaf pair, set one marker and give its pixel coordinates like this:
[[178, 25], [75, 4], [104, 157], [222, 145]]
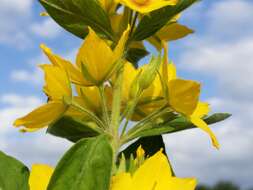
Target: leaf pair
[[87, 166]]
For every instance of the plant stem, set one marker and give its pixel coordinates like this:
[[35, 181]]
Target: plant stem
[[133, 23], [90, 114], [104, 105], [116, 105]]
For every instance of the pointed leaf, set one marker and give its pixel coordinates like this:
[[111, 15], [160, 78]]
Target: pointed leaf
[[150, 144], [73, 129], [13, 174], [134, 55], [176, 125], [87, 166], [76, 15]]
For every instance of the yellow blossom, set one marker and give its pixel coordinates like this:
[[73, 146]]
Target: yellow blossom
[[154, 173], [97, 60], [57, 87], [146, 6], [183, 97], [40, 176], [150, 99]]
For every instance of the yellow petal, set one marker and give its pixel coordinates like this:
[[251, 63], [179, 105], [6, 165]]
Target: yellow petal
[[140, 152], [57, 82], [146, 6], [122, 181], [151, 171], [201, 110], [198, 122], [183, 95], [40, 176], [173, 31], [172, 71], [154, 174], [96, 56], [177, 184], [129, 75], [73, 72], [90, 97], [42, 116], [120, 48]]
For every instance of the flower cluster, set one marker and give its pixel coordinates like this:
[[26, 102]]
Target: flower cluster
[[105, 99]]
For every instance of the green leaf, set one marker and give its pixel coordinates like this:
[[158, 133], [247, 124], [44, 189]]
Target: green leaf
[[13, 174], [217, 117], [76, 15], [154, 21], [134, 55], [150, 144], [73, 129], [176, 125], [87, 166]]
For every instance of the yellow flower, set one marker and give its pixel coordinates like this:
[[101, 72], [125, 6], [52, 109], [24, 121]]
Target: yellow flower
[[170, 32], [151, 98], [40, 176], [73, 72], [97, 60], [91, 97], [183, 97], [146, 6], [57, 87], [153, 174]]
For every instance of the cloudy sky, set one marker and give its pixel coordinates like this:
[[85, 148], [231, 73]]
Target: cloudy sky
[[219, 54]]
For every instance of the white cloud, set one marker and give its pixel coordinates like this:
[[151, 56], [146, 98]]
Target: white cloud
[[31, 147], [14, 15], [35, 76], [17, 6], [231, 18], [223, 52], [46, 29], [231, 64]]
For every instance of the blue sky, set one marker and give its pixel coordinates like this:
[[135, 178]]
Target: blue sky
[[219, 54]]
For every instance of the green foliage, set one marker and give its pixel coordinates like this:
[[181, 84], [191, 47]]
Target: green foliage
[[87, 166], [154, 21], [13, 174], [225, 185], [222, 185], [134, 55], [76, 15], [73, 129], [176, 125], [150, 144]]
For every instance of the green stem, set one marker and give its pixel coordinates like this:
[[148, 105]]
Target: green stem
[[116, 104], [133, 23], [89, 114], [104, 105], [149, 118]]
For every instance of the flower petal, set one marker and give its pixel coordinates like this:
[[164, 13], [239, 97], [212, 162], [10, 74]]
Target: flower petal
[[198, 122], [42, 116], [151, 171], [183, 95], [57, 82], [122, 181], [96, 56], [40, 176], [146, 6], [73, 72]]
